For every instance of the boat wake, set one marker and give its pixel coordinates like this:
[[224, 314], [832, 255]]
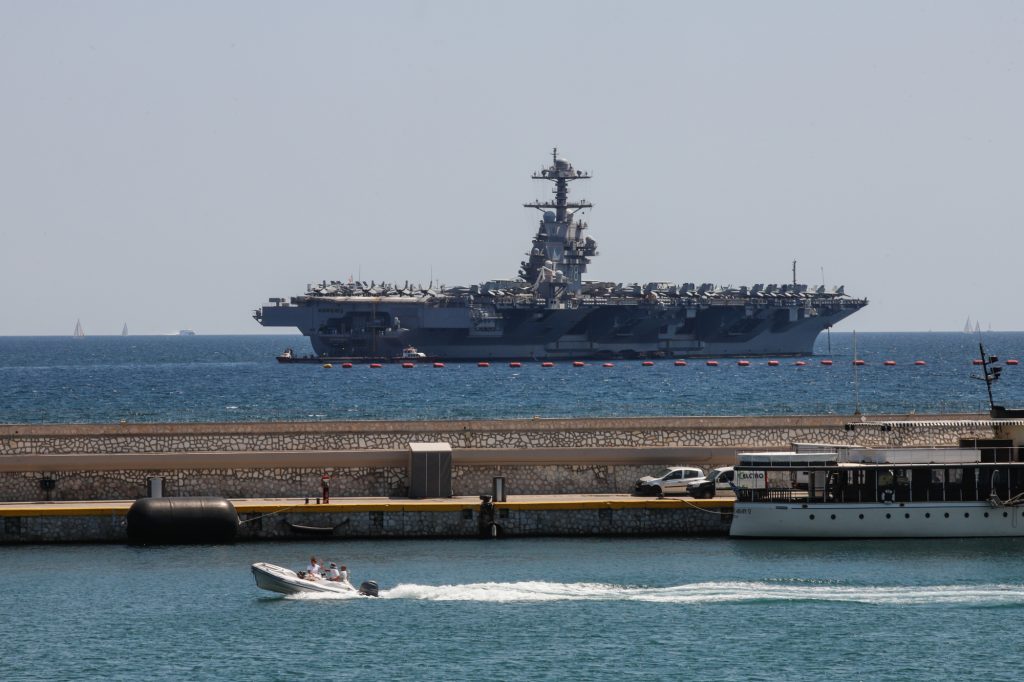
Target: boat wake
[[705, 592]]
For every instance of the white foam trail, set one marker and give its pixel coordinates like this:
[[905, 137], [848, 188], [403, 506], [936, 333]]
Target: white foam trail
[[718, 592]]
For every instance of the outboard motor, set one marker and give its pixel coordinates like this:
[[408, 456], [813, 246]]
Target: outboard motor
[[368, 588]]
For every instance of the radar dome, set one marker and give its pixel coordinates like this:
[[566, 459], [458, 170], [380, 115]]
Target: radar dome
[[549, 216], [562, 162]]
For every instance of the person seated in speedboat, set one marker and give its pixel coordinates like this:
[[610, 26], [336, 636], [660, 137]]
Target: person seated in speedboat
[[313, 570], [333, 574], [343, 575]]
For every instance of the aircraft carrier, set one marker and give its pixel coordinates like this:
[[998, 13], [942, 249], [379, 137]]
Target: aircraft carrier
[[550, 312]]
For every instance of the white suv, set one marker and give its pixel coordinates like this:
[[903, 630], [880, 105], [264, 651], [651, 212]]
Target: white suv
[[673, 480]]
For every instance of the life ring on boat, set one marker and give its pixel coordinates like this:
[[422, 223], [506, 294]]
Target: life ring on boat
[[888, 496]]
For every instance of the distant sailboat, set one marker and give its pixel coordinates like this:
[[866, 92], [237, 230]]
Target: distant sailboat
[[79, 332], [124, 329], [977, 327], [967, 325]]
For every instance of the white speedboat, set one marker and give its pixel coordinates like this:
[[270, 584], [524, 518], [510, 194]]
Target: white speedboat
[[286, 581]]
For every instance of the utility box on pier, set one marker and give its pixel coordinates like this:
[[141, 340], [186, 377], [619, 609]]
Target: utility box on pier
[[430, 470]]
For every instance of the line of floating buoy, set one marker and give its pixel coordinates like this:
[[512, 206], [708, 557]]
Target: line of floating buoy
[[608, 364], [346, 365], [408, 365], [1013, 362], [375, 365], [920, 362], [483, 364], [889, 363], [680, 363], [976, 361], [515, 364], [547, 364], [712, 363], [647, 363], [743, 363], [773, 363], [439, 365], [858, 362], [328, 365], [801, 363], [826, 362], [578, 363]]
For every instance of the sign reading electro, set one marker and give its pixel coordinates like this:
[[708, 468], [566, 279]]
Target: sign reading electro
[[749, 479]]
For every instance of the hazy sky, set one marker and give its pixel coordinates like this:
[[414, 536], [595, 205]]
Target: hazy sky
[[172, 165]]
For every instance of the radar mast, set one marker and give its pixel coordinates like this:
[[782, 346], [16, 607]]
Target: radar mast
[[560, 253]]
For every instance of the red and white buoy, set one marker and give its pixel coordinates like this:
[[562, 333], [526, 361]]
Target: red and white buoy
[[375, 365], [1013, 362], [607, 364], [346, 365], [919, 363], [483, 364], [826, 362], [712, 363], [744, 363], [578, 363], [801, 363], [439, 365], [647, 363], [515, 364], [408, 365], [547, 364], [680, 363], [889, 363], [773, 363]]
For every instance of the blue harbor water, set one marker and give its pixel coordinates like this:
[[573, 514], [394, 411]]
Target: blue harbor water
[[549, 609], [556, 609], [235, 378]]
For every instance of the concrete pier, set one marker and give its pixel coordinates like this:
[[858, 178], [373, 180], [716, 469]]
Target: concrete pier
[[459, 517]]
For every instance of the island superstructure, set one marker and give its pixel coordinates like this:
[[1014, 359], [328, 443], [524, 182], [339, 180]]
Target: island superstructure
[[551, 312]]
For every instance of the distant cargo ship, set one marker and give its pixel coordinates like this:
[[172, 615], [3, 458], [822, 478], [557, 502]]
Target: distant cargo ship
[[550, 312]]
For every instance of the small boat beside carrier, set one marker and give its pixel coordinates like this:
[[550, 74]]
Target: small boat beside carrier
[[286, 581], [409, 354]]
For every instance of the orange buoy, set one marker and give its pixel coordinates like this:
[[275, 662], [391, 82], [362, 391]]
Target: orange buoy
[[801, 363], [1013, 362], [827, 363], [515, 364], [920, 362], [577, 364], [744, 363], [408, 365], [680, 363], [889, 363], [977, 362], [607, 364], [858, 362], [483, 364], [346, 365], [712, 363], [439, 365], [773, 363], [547, 364], [375, 365], [647, 363]]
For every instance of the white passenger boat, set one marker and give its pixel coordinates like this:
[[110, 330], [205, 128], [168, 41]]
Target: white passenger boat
[[880, 493], [286, 581]]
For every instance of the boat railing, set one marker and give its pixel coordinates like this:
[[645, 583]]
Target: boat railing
[[771, 495]]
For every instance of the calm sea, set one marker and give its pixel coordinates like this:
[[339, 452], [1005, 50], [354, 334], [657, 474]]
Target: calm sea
[[235, 378], [643, 609], [556, 609]]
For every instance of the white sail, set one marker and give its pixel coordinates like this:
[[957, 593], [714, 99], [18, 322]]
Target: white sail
[[124, 329], [977, 327], [79, 332], [967, 325]]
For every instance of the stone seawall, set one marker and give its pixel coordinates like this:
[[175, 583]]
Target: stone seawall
[[537, 456]]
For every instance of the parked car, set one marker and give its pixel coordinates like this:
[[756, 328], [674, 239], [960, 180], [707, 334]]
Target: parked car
[[706, 487], [673, 480]]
